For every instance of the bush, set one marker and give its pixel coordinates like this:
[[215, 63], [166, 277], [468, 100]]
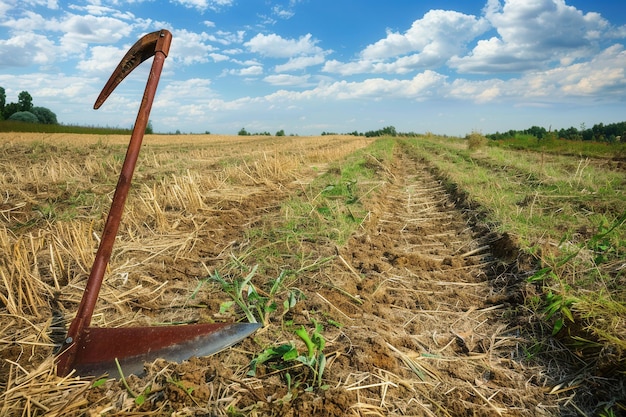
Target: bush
[[475, 140], [45, 116], [24, 116]]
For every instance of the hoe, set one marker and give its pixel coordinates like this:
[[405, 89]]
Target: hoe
[[93, 351]]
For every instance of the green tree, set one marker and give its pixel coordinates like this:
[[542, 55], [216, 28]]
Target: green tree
[[3, 101], [25, 101], [45, 116], [537, 131], [243, 132], [281, 132], [389, 131], [24, 116], [10, 109]]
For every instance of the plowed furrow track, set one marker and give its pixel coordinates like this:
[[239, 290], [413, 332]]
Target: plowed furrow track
[[431, 324]]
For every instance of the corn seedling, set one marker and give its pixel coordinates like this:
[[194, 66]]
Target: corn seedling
[[237, 289], [255, 305], [315, 358], [285, 356]]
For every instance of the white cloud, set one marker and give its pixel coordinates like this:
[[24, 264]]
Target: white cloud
[[27, 22], [283, 13], [245, 72], [203, 5], [102, 59], [476, 91], [219, 57], [428, 43], [25, 49], [275, 46], [418, 88], [100, 10], [286, 79], [300, 62], [227, 38], [532, 35], [604, 77], [440, 33], [59, 92], [350, 68], [171, 92], [253, 70], [81, 29], [190, 47]]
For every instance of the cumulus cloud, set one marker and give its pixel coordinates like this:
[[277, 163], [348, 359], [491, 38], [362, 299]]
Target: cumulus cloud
[[191, 47], [428, 43], [34, 34], [302, 52], [275, 46], [27, 22], [286, 79], [227, 38], [219, 57], [419, 87], [193, 87], [300, 62], [26, 49], [532, 35], [253, 70], [439, 34], [603, 77], [248, 71], [81, 29], [203, 5], [102, 59]]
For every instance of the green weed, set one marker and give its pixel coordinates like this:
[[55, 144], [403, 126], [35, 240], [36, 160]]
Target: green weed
[[284, 356], [257, 305], [600, 312]]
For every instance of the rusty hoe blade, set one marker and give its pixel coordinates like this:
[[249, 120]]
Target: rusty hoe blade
[[93, 351]]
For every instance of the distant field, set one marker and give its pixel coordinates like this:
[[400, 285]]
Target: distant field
[[392, 276]]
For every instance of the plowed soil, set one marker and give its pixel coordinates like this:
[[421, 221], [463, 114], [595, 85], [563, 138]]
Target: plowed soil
[[422, 311]]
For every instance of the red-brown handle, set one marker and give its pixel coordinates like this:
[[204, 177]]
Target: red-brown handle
[[103, 255]]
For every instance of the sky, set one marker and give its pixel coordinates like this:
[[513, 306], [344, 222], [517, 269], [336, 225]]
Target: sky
[[311, 66]]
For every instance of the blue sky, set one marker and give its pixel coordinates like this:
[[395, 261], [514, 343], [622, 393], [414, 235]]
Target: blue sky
[[308, 66]]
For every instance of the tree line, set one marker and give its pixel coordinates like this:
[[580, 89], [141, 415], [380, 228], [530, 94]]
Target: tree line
[[612, 132], [24, 110], [244, 132], [385, 131]]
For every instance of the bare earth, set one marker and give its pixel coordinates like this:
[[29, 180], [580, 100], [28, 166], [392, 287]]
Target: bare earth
[[422, 308]]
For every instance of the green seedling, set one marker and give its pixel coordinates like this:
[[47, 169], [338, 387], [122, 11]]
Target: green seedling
[[139, 398], [279, 354], [315, 358], [98, 382], [256, 305], [284, 356], [235, 290], [559, 304]]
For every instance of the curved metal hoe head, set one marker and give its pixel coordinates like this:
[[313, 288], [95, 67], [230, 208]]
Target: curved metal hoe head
[[143, 49]]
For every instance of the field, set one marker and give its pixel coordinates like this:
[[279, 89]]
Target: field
[[392, 276]]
